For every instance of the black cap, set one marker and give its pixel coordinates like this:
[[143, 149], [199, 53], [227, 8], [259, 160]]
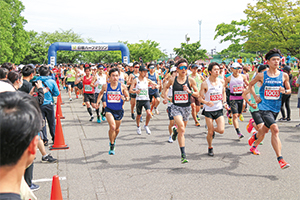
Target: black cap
[[143, 68], [287, 68]]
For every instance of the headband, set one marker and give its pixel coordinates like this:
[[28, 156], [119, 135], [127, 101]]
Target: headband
[[273, 55]]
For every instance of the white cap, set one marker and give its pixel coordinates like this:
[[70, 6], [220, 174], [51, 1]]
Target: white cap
[[173, 69], [21, 66], [130, 64], [200, 67], [236, 65]]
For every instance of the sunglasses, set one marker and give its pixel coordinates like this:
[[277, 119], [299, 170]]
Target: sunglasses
[[236, 68], [182, 67], [137, 67]]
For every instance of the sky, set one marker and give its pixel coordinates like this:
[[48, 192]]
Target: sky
[[164, 21]]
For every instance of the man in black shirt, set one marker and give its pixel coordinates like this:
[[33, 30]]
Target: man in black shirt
[[20, 122]]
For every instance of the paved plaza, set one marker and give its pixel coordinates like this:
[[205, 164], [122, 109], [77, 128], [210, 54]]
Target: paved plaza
[[148, 167]]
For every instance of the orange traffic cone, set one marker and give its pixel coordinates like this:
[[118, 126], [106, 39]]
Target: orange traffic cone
[[56, 190], [57, 83], [61, 102], [59, 140], [58, 109]]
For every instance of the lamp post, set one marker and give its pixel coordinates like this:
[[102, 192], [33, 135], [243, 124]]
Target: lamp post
[[187, 38]]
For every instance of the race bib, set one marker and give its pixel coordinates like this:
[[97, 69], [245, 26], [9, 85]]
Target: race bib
[[215, 96], [237, 89], [69, 75], [113, 97], [272, 92], [181, 97], [99, 87], [88, 88], [143, 92]]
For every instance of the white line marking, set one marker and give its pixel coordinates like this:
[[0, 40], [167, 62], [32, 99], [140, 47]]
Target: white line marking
[[47, 179]]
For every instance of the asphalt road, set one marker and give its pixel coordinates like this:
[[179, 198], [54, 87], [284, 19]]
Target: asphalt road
[[148, 167]]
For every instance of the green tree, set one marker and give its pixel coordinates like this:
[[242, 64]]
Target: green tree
[[13, 38], [148, 50], [269, 24], [191, 52]]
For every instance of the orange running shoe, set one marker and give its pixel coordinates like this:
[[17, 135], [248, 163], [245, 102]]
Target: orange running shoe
[[251, 140], [283, 164], [197, 123]]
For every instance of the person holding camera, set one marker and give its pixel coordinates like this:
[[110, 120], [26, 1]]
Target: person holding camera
[[48, 107]]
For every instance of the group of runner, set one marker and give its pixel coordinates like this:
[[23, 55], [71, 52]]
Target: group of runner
[[185, 89]]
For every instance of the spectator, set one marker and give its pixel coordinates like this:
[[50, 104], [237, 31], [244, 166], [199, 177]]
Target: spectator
[[286, 97], [20, 121], [298, 106], [48, 107]]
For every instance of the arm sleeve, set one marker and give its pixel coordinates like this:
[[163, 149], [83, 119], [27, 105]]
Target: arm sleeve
[[40, 96]]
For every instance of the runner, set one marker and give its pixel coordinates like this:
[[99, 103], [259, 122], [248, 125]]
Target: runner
[[115, 93], [89, 93], [214, 94], [195, 103], [79, 74], [70, 79], [256, 121], [236, 84], [269, 103], [154, 93], [181, 99], [142, 98], [98, 81], [133, 76], [172, 127]]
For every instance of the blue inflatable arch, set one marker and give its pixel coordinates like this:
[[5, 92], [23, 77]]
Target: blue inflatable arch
[[66, 46]]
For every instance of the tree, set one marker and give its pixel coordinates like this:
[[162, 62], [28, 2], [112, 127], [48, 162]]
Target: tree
[[13, 38], [269, 24], [148, 50], [191, 52]]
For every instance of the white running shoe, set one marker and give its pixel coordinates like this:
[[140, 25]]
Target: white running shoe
[[147, 129], [139, 131], [156, 111], [170, 139], [70, 99]]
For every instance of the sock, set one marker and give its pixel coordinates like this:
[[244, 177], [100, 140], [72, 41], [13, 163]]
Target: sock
[[103, 112], [90, 111], [97, 111], [182, 149], [210, 148], [45, 155], [237, 130], [279, 158], [154, 107], [112, 146]]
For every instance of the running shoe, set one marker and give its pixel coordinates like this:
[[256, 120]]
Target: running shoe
[[288, 119], [76, 96], [175, 133], [298, 126], [34, 187], [170, 139], [92, 118], [111, 151], [156, 111], [282, 119], [241, 117], [103, 118], [70, 99], [250, 125], [98, 120], [139, 131], [230, 120], [151, 113], [141, 120], [197, 123], [64, 88], [132, 116], [49, 159], [254, 150], [184, 160], [251, 140], [147, 129], [283, 164], [198, 118], [210, 151], [240, 135], [83, 104]]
